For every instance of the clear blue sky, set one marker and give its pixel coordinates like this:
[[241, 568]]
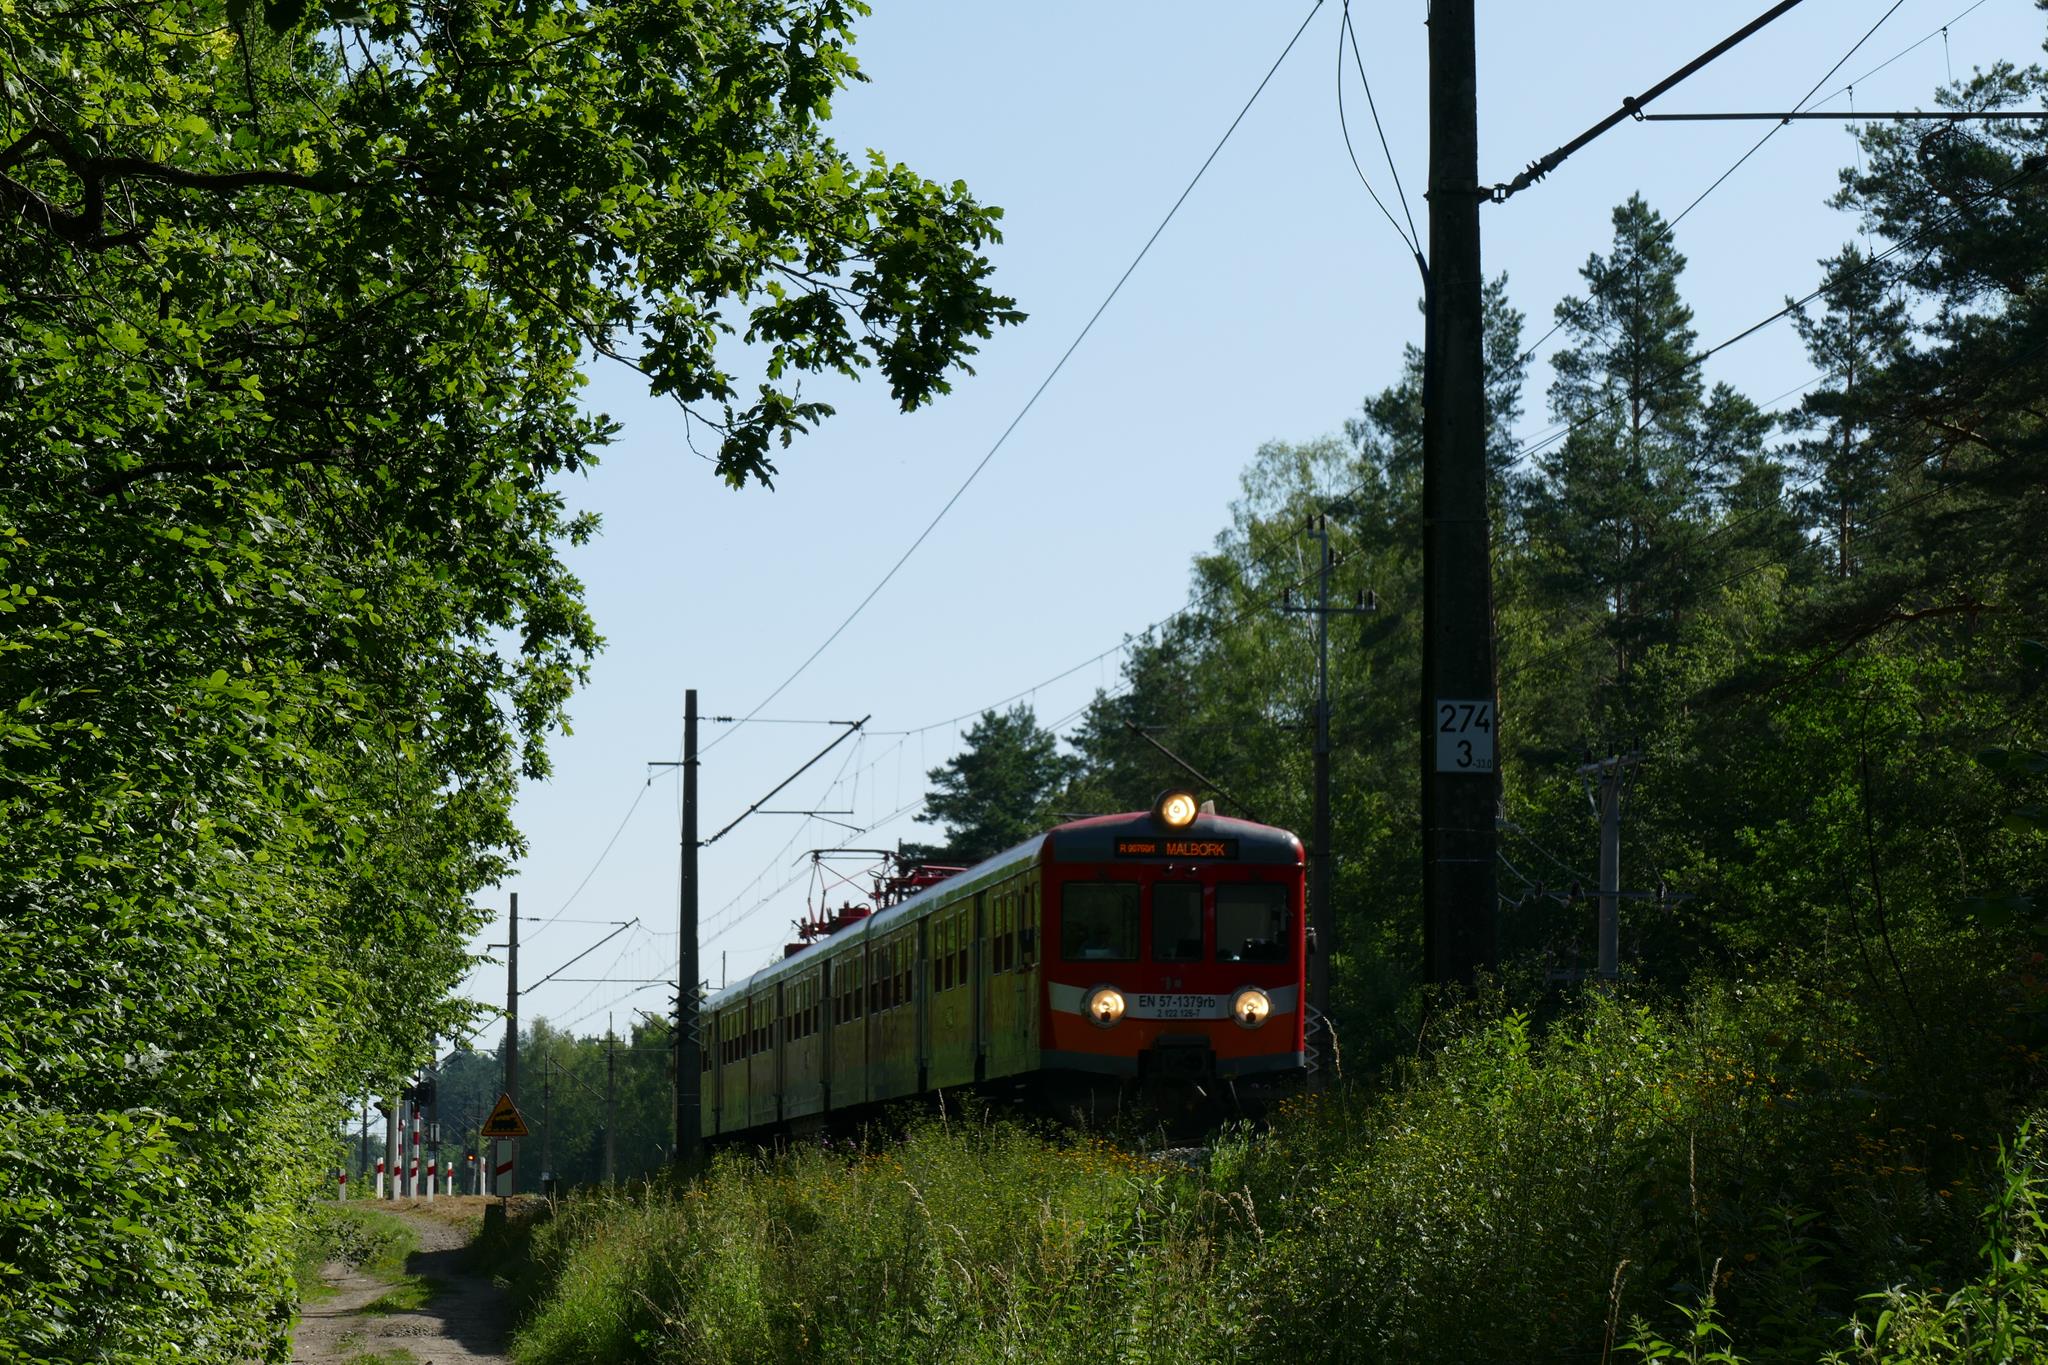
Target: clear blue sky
[[1273, 304]]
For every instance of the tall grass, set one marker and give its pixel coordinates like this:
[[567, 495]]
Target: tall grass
[[1525, 1192], [961, 1242]]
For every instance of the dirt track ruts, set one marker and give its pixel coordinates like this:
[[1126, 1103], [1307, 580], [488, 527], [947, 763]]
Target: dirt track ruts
[[465, 1323]]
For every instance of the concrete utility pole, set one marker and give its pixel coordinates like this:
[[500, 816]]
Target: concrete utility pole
[[390, 1172], [434, 1167], [1460, 781], [611, 1106], [1614, 775], [687, 1117], [504, 1174], [688, 1049], [1321, 898], [547, 1125]]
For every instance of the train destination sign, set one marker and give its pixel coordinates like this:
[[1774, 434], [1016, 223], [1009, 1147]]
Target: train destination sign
[[1213, 850]]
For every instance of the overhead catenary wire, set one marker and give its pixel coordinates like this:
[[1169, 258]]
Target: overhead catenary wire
[[2028, 167], [1671, 226], [726, 923], [1036, 393], [1696, 359], [1941, 33], [1410, 238], [1632, 105], [624, 820]]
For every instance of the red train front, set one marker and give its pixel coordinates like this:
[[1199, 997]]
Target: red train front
[[1174, 947]]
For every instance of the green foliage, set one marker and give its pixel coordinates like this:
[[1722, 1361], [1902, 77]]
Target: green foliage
[[2000, 1315], [973, 1242], [1525, 1192], [996, 792], [291, 311]]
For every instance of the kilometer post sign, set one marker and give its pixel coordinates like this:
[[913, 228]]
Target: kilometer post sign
[[1464, 736]]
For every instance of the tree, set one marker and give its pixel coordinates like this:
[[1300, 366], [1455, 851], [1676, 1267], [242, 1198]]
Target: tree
[[615, 178], [995, 792], [1649, 456], [292, 308], [1862, 332]]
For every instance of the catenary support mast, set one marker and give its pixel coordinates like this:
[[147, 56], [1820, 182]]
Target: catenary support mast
[[688, 1076], [1460, 782]]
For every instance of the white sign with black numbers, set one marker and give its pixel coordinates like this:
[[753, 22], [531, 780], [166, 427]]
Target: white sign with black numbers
[[1464, 736]]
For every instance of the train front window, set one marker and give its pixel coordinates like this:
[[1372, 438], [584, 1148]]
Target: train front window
[[1176, 922], [1099, 922], [1251, 923]]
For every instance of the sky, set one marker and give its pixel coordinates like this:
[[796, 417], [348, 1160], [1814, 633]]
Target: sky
[[1269, 307]]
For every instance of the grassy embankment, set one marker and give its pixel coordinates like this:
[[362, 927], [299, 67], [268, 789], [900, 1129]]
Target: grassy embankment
[[1753, 1162]]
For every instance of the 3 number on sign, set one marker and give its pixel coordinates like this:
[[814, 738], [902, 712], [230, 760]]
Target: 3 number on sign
[[1464, 736]]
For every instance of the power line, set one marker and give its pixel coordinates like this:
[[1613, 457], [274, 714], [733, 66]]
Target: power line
[[1631, 106], [1851, 115], [1941, 33], [733, 921], [2028, 167], [1564, 646], [1409, 238], [1044, 384], [606, 853], [1721, 179]]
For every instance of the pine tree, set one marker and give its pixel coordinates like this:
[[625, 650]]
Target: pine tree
[[1863, 331], [994, 793], [1610, 505]]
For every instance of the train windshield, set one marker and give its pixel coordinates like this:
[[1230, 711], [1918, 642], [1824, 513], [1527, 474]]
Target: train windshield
[[1099, 922], [1176, 922], [1251, 923]]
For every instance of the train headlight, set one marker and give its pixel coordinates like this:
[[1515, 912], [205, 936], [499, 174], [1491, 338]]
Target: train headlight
[[1105, 1005], [1176, 809], [1250, 1007]]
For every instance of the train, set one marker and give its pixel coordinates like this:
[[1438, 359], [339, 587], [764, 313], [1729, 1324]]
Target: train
[[1155, 949]]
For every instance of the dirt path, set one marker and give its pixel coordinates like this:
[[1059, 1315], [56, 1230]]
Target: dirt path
[[463, 1322]]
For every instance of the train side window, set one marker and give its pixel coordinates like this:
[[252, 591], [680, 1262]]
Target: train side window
[[1027, 929], [903, 966], [1251, 922], [1099, 922], [1176, 922]]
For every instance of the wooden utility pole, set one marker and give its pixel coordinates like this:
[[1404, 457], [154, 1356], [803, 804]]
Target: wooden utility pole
[[1460, 780]]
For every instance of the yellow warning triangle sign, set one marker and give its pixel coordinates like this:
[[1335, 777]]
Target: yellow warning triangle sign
[[504, 1121]]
